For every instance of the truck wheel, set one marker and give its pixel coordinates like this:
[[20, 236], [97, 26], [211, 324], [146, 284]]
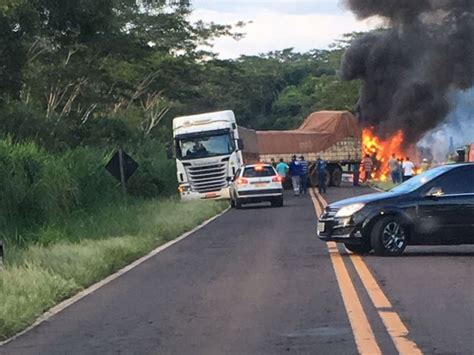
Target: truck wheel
[[313, 178], [336, 176], [328, 177], [232, 203], [389, 237]]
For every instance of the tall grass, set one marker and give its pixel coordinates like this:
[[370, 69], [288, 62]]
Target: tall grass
[[86, 249], [38, 188]]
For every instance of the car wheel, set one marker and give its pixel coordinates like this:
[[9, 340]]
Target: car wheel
[[389, 237], [238, 204], [360, 249]]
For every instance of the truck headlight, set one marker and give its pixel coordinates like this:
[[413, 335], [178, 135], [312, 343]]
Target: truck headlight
[[349, 210], [184, 188]]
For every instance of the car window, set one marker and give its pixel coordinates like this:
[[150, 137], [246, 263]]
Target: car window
[[457, 181], [260, 171], [419, 180]]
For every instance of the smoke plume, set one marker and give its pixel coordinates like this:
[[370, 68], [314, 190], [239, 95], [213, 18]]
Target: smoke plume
[[458, 127], [409, 68]]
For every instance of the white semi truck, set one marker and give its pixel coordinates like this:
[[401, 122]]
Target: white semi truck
[[208, 152]]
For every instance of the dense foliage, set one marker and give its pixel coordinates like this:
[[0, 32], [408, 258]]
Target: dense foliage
[[80, 78], [103, 73]]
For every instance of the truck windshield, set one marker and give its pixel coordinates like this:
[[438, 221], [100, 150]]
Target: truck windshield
[[204, 146]]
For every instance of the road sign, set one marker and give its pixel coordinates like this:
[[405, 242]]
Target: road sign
[[122, 167]]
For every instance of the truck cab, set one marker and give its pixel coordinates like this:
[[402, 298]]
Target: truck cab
[[208, 152]]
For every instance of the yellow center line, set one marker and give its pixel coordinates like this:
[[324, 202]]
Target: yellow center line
[[363, 334], [392, 321]]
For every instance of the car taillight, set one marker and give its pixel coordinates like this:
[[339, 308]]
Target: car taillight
[[277, 179], [242, 181]]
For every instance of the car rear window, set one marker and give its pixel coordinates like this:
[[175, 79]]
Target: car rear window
[[261, 171]]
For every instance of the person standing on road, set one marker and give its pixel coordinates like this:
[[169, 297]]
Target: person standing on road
[[408, 169], [282, 168], [400, 170], [367, 165], [295, 174], [321, 167], [393, 168], [304, 174]]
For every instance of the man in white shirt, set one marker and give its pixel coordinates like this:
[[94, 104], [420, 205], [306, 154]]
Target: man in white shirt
[[408, 169]]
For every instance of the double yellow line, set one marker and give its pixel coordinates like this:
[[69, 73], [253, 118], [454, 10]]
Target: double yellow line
[[361, 328]]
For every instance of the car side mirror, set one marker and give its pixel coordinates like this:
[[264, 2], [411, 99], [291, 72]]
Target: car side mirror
[[434, 193], [240, 144]]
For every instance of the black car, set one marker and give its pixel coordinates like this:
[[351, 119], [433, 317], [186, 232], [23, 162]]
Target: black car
[[433, 208]]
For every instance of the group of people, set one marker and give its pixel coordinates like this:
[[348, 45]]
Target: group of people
[[400, 169], [298, 169]]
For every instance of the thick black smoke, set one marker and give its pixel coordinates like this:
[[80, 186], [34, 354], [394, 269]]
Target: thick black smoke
[[408, 69]]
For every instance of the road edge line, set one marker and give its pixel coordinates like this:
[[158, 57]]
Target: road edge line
[[89, 290], [361, 329]]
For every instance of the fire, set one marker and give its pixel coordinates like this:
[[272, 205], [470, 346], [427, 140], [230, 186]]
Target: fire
[[382, 151]]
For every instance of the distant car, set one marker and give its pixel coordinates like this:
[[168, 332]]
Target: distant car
[[256, 183], [433, 208]]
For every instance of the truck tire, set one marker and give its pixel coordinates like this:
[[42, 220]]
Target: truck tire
[[328, 177], [336, 176], [313, 178]]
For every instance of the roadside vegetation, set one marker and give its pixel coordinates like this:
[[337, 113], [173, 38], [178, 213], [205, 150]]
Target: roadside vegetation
[[88, 247]]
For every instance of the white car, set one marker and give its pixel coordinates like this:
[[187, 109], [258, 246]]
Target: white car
[[256, 183]]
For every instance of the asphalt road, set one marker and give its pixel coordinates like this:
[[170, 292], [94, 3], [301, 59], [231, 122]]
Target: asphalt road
[[257, 281]]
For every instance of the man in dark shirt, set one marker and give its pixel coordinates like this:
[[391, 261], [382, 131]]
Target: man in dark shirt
[[321, 167], [304, 175]]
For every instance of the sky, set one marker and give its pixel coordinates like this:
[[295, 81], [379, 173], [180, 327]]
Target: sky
[[279, 24]]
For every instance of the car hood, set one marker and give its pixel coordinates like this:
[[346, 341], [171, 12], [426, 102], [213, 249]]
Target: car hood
[[365, 199]]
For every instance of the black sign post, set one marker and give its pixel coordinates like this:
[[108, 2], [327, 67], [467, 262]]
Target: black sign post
[[122, 173], [2, 256], [122, 166]]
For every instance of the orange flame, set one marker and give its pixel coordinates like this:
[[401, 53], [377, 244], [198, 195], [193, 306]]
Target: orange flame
[[382, 150]]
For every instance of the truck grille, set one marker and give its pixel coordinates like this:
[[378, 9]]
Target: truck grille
[[208, 178]]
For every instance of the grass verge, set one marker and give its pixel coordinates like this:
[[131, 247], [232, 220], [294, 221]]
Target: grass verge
[[86, 249]]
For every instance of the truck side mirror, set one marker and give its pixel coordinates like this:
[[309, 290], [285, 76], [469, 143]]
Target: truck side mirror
[[240, 144], [169, 152]]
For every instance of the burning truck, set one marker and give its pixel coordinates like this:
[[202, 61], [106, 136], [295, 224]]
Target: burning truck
[[335, 136]]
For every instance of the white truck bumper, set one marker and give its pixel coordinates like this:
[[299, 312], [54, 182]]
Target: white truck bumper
[[223, 194]]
